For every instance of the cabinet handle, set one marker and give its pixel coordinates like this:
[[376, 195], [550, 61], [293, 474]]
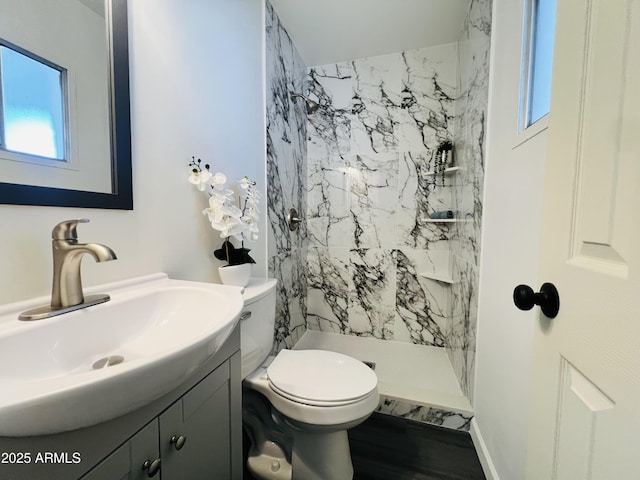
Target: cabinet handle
[[152, 467], [178, 441]]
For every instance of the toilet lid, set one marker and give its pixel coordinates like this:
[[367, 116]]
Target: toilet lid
[[320, 376]]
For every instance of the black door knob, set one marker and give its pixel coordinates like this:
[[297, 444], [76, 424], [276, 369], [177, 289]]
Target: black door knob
[[525, 298]]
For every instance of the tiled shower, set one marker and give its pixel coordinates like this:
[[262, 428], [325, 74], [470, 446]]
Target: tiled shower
[[368, 260]]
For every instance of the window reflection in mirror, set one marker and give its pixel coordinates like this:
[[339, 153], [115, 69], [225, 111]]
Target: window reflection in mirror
[[71, 36], [89, 165], [32, 117]]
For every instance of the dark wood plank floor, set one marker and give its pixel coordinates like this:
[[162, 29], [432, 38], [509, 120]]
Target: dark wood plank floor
[[386, 447], [392, 448]]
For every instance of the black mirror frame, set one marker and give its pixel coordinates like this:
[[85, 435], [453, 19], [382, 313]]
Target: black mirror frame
[[121, 176]]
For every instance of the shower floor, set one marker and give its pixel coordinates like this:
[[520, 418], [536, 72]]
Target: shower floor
[[414, 381]]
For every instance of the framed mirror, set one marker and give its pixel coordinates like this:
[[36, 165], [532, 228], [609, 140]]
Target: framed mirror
[[82, 155]]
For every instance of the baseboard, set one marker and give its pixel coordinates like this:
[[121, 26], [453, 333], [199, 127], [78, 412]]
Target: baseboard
[[483, 454]]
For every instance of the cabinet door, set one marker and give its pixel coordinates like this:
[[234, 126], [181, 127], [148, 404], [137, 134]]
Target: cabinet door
[[202, 418], [127, 461]]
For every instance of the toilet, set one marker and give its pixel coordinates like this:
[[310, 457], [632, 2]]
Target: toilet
[[298, 404]]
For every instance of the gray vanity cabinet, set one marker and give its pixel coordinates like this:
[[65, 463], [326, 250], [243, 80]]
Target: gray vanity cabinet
[[200, 420], [195, 431], [126, 462], [191, 438]]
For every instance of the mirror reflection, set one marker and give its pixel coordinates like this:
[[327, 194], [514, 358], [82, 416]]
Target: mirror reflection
[[59, 79]]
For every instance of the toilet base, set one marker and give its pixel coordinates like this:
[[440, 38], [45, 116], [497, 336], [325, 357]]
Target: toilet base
[[283, 449], [269, 463], [269, 456], [334, 463]]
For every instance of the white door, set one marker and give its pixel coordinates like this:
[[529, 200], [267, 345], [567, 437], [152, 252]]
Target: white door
[[585, 403]]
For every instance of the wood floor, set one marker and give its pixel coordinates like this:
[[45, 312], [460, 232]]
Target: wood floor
[[392, 448]]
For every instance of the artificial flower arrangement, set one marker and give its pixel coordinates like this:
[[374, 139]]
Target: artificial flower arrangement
[[231, 217]]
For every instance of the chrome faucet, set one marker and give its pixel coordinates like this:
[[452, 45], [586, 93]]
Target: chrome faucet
[[66, 294]]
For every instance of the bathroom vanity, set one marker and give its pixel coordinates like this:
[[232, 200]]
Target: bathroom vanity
[[194, 431]]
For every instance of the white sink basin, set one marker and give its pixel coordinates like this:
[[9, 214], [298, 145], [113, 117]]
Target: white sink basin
[[164, 329]]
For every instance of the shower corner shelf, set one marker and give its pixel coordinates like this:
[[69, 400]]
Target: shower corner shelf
[[441, 220], [447, 171], [437, 277], [447, 220]]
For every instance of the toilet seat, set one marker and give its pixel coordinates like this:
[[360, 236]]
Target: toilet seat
[[320, 377], [350, 404], [314, 403]]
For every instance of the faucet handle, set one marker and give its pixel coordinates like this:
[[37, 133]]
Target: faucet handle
[[67, 230]]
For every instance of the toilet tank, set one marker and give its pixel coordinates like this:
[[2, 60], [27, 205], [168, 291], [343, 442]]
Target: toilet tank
[[257, 324]]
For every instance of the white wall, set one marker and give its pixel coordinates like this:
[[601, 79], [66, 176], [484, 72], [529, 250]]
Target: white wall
[[510, 245], [197, 88]]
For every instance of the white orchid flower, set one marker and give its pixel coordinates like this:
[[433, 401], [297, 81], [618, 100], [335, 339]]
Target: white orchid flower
[[232, 215], [229, 227], [215, 215], [251, 227], [237, 232], [200, 179], [218, 181], [253, 198], [245, 183], [216, 202], [250, 220], [232, 211]]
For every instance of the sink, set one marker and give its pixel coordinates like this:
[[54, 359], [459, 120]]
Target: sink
[[95, 364]]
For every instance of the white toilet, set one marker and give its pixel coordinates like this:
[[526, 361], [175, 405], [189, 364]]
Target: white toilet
[[298, 405]]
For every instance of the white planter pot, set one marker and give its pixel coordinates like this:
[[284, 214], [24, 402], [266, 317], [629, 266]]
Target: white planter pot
[[236, 275]]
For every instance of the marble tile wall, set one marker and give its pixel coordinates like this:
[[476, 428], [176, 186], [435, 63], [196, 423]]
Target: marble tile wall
[[371, 189], [361, 168], [449, 418], [469, 138], [286, 180]]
